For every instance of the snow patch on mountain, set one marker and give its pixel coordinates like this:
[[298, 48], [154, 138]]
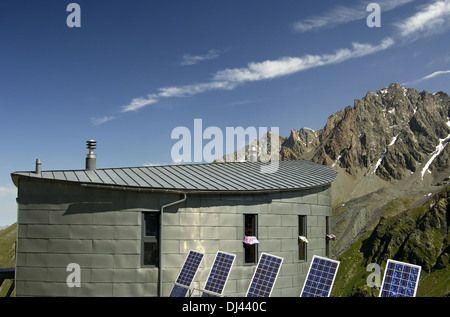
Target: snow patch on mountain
[[439, 148]]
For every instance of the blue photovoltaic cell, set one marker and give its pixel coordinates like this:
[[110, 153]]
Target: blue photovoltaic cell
[[265, 276], [400, 279], [205, 294], [187, 274], [178, 291], [218, 275], [320, 278]]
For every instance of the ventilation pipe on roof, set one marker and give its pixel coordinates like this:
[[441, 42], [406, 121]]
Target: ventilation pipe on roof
[[38, 166], [91, 158]]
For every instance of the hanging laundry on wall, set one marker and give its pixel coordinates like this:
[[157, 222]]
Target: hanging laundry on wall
[[250, 240], [303, 239]]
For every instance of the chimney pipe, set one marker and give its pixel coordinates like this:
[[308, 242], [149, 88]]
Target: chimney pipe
[[38, 166], [91, 158]]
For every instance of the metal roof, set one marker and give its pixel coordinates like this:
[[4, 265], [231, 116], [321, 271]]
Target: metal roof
[[222, 177]]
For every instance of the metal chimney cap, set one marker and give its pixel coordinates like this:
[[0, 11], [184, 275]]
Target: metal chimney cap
[[91, 158], [91, 144]]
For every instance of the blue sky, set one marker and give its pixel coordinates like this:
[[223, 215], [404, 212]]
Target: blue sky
[[136, 70]]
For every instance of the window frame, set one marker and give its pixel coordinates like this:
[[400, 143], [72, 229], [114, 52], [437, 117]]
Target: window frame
[[302, 231], [155, 239], [327, 242], [251, 250]]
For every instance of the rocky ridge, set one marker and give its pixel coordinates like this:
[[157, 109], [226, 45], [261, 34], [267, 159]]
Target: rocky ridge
[[389, 133]]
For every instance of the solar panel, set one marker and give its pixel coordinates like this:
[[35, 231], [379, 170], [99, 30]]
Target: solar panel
[[265, 275], [400, 279], [187, 274], [218, 275], [320, 278]]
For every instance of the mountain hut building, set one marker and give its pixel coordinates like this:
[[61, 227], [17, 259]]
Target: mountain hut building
[[129, 230]]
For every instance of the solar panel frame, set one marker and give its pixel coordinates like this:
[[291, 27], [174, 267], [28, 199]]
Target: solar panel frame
[[400, 279], [218, 275], [265, 276], [187, 274], [320, 277]]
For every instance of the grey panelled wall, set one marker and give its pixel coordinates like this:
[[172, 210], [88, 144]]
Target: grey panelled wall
[[62, 222], [212, 223]]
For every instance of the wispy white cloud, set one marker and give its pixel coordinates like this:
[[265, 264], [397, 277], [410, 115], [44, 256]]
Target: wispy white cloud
[[230, 78], [240, 103], [101, 120], [177, 92], [194, 89], [289, 65], [435, 74], [7, 191], [440, 72], [187, 60], [138, 103], [344, 14], [429, 19]]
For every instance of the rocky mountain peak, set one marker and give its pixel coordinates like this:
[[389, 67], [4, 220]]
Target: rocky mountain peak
[[391, 133], [299, 143]]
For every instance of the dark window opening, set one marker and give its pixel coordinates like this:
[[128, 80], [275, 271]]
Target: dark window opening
[[327, 231], [250, 229], [150, 240], [302, 232]]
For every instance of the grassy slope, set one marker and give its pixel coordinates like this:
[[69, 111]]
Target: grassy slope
[[352, 274], [351, 279], [7, 253]]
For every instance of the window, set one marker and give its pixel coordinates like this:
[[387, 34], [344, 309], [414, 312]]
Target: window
[[250, 229], [302, 232], [327, 231], [150, 239]]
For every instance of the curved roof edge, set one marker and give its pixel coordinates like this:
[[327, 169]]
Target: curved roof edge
[[219, 177]]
